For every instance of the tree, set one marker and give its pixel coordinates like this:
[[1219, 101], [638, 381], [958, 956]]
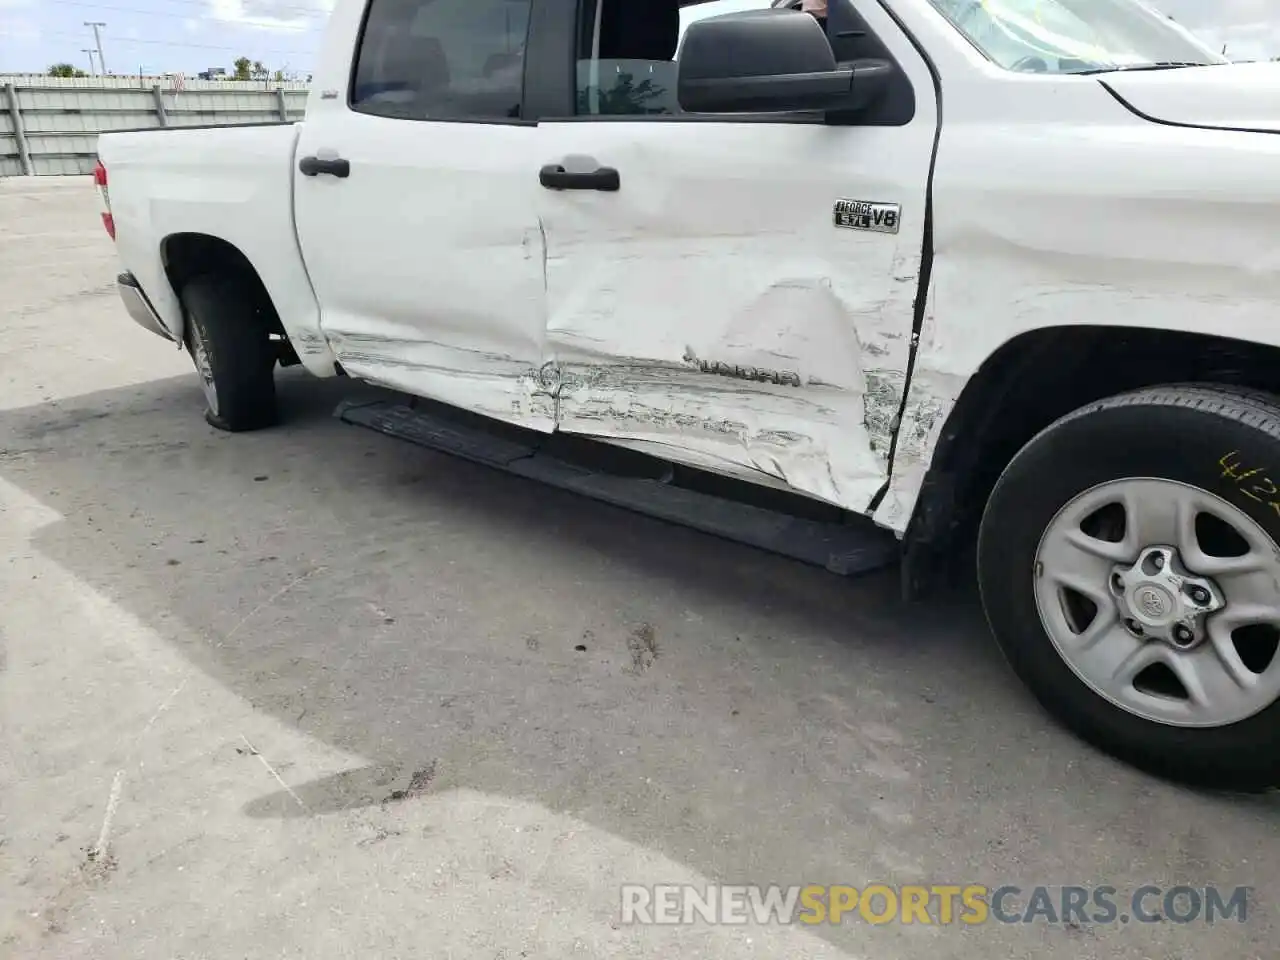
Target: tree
[[259, 71], [65, 70], [244, 68], [625, 96]]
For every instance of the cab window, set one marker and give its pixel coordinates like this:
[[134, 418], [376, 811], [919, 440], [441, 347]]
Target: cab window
[[628, 54], [442, 59]]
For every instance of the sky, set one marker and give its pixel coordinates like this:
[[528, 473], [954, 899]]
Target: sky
[[163, 36]]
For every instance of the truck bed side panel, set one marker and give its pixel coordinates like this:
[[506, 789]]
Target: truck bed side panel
[[233, 183]]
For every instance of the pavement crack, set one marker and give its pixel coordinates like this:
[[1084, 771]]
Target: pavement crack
[[272, 770]]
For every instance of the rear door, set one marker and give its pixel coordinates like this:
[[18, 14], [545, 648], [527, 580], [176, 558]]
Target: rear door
[[715, 308], [418, 222]]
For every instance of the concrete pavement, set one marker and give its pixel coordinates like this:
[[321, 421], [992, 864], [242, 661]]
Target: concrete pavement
[[316, 693]]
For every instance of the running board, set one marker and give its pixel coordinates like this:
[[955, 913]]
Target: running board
[[841, 549]]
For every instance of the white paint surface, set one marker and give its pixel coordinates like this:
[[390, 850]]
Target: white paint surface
[[446, 271], [1056, 206], [231, 183], [428, 260], [720, 249], [1238, 95]]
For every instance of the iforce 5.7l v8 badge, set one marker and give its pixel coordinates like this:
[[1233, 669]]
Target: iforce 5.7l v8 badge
[[865, 215]]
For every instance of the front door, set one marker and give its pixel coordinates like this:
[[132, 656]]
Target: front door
[[427, 256], [711, 309]]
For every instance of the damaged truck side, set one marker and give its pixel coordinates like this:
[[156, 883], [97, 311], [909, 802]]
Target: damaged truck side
[[910, 277]]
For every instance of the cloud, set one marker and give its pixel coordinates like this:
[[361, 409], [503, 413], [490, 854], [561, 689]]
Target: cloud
[[1223, 13], [1249, 29], [285, 16], [1248, 41]]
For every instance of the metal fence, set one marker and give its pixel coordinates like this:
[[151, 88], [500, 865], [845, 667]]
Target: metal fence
[[50, 126]]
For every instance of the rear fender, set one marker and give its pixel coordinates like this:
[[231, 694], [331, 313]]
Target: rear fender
[[234, 184]]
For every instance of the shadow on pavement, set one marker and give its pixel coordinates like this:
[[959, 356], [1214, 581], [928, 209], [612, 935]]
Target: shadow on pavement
[[751, 717]]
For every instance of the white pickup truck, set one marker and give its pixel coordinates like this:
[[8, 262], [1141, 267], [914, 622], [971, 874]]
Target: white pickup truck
[[928, 273]]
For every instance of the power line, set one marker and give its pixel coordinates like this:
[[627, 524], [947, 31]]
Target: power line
[[182, 43]]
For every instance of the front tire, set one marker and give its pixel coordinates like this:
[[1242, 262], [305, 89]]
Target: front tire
[[232, 353], [1129, 568]]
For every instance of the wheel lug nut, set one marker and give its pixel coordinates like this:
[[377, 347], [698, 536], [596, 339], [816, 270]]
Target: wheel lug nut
[[1157, 561], [1183, 635], [1199, 595], [1117, 583], [1133, 627]]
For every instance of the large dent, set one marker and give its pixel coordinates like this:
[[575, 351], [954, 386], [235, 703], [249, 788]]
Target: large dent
[[486, 382], [770, 337], [782, 369], [1121, 223], [930, 398]]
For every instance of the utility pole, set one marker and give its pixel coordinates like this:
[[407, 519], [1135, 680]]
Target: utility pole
[[97, 39], [89, 51]]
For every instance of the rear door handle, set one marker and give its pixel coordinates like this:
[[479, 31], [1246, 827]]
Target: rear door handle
[[314, 166], [555, 177]]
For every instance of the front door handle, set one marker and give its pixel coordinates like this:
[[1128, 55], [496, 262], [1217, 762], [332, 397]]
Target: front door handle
[[314, 166], [555, 177]]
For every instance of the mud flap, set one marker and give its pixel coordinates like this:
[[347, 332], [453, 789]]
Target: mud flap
[[842, 549]]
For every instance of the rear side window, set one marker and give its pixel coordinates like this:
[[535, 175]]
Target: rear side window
[[442, 59]]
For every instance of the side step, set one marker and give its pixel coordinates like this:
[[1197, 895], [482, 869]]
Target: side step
[[844, 550]]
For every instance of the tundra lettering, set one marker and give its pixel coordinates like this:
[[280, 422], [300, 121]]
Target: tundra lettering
[[784, 378]]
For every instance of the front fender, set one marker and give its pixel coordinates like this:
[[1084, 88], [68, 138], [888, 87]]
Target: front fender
[[1094, 218]]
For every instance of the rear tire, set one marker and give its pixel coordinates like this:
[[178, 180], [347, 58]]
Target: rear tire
[[1204, 452], [232, 352]]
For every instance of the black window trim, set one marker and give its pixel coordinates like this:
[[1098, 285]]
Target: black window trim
[[549, 93], [522, 121], [551, 89]]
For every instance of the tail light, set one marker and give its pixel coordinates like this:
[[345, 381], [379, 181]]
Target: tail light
[[100, 180]]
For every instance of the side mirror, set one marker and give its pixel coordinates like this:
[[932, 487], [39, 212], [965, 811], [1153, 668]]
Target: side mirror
[[768, 61]]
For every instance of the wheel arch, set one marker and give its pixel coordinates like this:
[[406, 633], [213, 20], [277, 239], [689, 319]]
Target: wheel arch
[[1027, 384], [187, 255]]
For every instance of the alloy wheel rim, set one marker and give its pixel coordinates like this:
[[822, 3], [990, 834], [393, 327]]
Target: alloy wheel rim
[[204, 367]]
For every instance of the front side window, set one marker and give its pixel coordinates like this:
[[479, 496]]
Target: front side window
[[1074, 36], [442, 59], [628, 54]]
